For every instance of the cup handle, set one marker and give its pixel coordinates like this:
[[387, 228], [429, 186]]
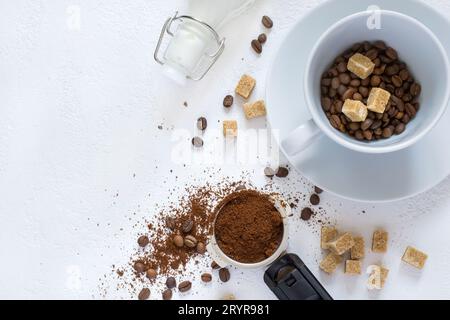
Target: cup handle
[[301, 138]]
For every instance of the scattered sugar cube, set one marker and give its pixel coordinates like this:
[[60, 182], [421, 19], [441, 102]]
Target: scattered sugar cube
[[378, 100], [245, 86], [384, 275], [358, 250], [230, 128], [330, 263], [254, 110], [414, 257], [380, 241], [374, 281], [352, 267], [327, 235], [342, 244], [360, 65], [355, 110]]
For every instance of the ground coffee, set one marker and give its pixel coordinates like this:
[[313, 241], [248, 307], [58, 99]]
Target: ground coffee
[[248, 227]]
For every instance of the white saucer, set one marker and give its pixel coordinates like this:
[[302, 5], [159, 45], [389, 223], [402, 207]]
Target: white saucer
[[352, 175]]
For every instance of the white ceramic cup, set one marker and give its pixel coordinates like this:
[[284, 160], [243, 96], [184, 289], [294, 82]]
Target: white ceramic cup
[[224, 261], [417, 46]]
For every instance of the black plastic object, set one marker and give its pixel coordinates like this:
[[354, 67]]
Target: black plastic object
[[290, 279]]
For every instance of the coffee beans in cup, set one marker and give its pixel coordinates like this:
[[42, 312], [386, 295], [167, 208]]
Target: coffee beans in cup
[[390, 107]]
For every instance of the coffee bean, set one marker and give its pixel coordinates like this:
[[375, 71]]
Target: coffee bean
[[206, 277], [404, 74], [282, 172], [256, 45], [224, 274], [170, 223], [364, 91], [400, 105], [415, 89], [326, 103], [144, 294], [397, 81], [269, 172], [392, 70], [267, 22], [306, 214], [410, 110], [151, 274], [354, 126], [359, 135], [391, 53], [407, 97], [355, 83], [405, 119], [342, 89], [317, 190], [185, 286], [262, 38], [372, 54], [368, 135], [335, 83], [357, 96], [178, 241], [387, 132], [167, 294], [344, 78], [139, 267], [366, 124], [375, 81], [314, 199], [214, 265], [332, 93], [197, 142], [400, 128], [399, 92], [190, 241], [342, 67], [171, 282], [202, 123], [348, 94], [228, 101], [325, 82], [201, 248], [187, 226], [335, 121], [143, 241]]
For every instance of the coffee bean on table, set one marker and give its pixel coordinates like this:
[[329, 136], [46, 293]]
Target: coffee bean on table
[[139, 267], [167, 294], [143, 241], [317, 190], [314, 199], [269, 172], [151, 274], [202, 123], [206, 277], [144, 294], [256, 45], [262, 38], [224, 275], [187, 226], [171, 282], [282, 172], [215, 265], [197, 142], [185, 286], [228, 101], [178, 241], [306, 214], [267, 22], [190, 241], [201, 248]]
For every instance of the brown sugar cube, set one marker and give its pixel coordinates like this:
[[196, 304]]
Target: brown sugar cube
[[358, 250], [374, 281], [327, 235], [355, 110], [230, 128], [384, 274], [330, 263], [245, 86], [414, 257], [255, 110], [360, 65], [352, 267], [342, 244], [378, 100], [380, 241]]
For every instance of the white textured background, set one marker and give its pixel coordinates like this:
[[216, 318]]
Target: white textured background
[[79, 110]]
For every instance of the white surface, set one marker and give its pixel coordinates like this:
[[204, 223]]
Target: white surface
[[78, 117], [416, 169]]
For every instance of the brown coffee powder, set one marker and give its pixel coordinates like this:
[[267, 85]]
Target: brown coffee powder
[[248, 227]]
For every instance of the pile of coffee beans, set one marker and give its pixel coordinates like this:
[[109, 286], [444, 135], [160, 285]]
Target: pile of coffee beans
[[390, 73], [257, 44]]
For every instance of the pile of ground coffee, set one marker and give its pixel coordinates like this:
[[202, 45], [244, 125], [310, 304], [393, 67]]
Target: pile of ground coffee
[[248, 227]]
